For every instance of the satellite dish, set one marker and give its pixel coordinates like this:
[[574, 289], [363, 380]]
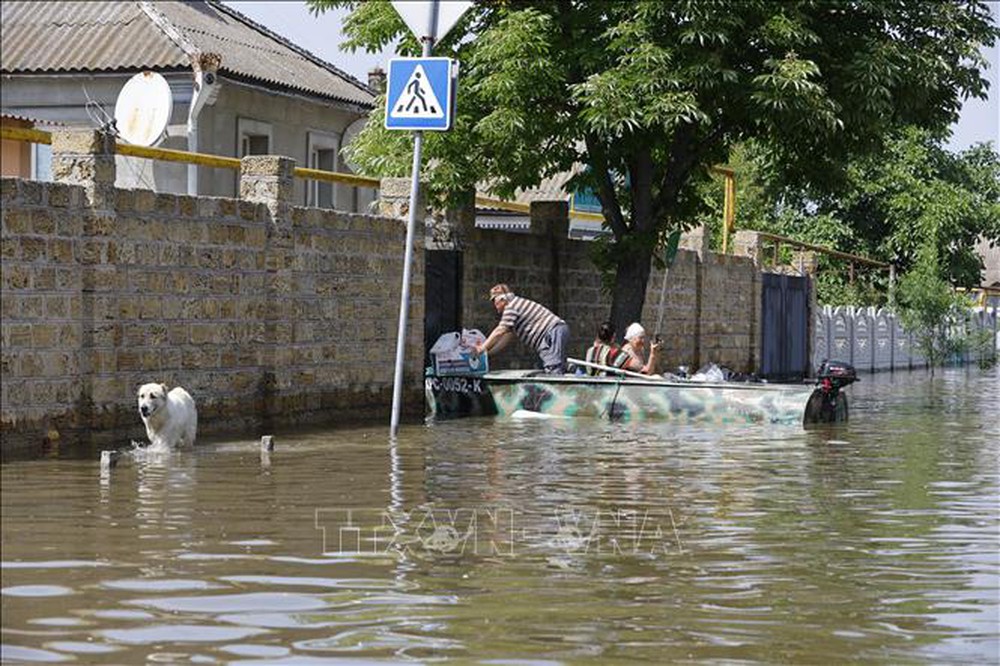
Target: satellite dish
[[350, 134], [143, 109]]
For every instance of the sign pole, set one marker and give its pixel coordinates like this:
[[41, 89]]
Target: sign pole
[[411, 227]]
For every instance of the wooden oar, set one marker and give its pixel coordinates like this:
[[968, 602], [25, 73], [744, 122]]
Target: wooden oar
[[616, 371]]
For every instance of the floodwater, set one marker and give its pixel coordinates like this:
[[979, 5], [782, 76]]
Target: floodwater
[[528, 542]]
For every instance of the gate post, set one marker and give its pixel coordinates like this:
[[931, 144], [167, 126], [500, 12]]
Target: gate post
[[748, 244], [808, 265]]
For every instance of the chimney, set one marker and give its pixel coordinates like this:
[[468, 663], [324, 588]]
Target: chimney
[[376, 80]]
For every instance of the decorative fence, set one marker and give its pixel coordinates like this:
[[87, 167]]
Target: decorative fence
[[872, 339]]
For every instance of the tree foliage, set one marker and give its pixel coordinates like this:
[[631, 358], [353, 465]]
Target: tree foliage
[[933, 313], [918, 193], [895, 201], [649, 93]]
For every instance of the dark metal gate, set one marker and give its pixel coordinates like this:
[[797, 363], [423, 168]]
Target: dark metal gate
[[442, 295], [784, 336]]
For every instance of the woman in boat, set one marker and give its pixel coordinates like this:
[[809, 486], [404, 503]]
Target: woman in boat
[[605, 352], [643, 357]]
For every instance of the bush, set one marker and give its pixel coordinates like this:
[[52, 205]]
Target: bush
[[933, 313]]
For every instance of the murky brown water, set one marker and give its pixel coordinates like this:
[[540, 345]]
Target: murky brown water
[[538, 541]]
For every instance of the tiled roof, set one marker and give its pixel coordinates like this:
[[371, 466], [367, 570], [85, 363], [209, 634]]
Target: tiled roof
[[552, 188], [18, 118], [67, 36]]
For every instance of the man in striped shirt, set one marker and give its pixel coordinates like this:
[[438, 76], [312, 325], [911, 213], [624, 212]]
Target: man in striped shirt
[[534, 324]]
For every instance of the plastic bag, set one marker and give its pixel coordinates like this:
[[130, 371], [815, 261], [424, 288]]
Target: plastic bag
[[709, 373], [447, 343]]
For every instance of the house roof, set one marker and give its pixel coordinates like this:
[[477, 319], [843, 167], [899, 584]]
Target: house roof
[[21, 120], [99, 36], [552, 188]]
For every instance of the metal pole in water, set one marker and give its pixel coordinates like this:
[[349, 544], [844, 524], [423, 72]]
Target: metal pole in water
[[411, 225], [404, 299]]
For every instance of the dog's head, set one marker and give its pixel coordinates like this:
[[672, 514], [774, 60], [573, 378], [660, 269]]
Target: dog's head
[[151, 398]]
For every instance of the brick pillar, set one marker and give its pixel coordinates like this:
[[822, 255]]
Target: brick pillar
[[447, 229], [86, 158], [696, 240], [394, 198], [807, 263], [749, 244], [267, 179], [551, 220]]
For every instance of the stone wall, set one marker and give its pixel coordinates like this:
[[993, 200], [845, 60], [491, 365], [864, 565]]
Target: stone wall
[[267, 313]]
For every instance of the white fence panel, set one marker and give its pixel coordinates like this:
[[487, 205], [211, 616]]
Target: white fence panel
[[901, 346], [873, 339], [864, 352], [841, 334], [884, 328], [821, 335]]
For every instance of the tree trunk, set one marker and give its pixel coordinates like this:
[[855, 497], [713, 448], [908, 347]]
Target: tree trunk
[[629, 293]]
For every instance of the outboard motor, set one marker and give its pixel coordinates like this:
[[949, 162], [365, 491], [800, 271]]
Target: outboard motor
[[827, 404]]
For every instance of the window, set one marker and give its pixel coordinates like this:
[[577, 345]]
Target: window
[[41, 162], [254, 137], [255, 144], [322, 149]]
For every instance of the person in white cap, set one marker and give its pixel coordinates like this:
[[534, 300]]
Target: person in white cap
[[535, 325], [636, 344]]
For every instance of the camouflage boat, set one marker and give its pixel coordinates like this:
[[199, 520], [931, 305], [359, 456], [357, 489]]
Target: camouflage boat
[[631, 398]]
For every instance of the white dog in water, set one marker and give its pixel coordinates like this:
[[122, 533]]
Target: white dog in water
[[171, 419]]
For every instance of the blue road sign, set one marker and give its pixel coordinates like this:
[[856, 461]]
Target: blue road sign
[[419, 94]]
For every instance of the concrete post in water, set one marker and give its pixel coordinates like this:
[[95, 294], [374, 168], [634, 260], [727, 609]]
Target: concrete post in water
[[266, 447], [109, 460]]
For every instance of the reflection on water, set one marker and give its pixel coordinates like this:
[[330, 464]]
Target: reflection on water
[[536, 540]]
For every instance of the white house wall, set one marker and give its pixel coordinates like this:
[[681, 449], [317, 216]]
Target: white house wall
[[62, 99], [291, 119]]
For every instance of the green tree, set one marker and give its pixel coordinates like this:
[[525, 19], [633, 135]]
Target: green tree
[[892, 203], [917, 193], [930, 310], [648, 93]]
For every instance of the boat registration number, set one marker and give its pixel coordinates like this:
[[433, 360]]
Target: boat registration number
[[456, 384]]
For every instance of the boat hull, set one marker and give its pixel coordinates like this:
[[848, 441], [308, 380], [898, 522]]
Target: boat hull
[[626, 400]]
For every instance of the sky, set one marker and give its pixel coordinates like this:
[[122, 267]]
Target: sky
[[980, 119]]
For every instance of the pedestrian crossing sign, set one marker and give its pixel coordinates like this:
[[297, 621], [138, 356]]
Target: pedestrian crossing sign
[[419, 94]]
